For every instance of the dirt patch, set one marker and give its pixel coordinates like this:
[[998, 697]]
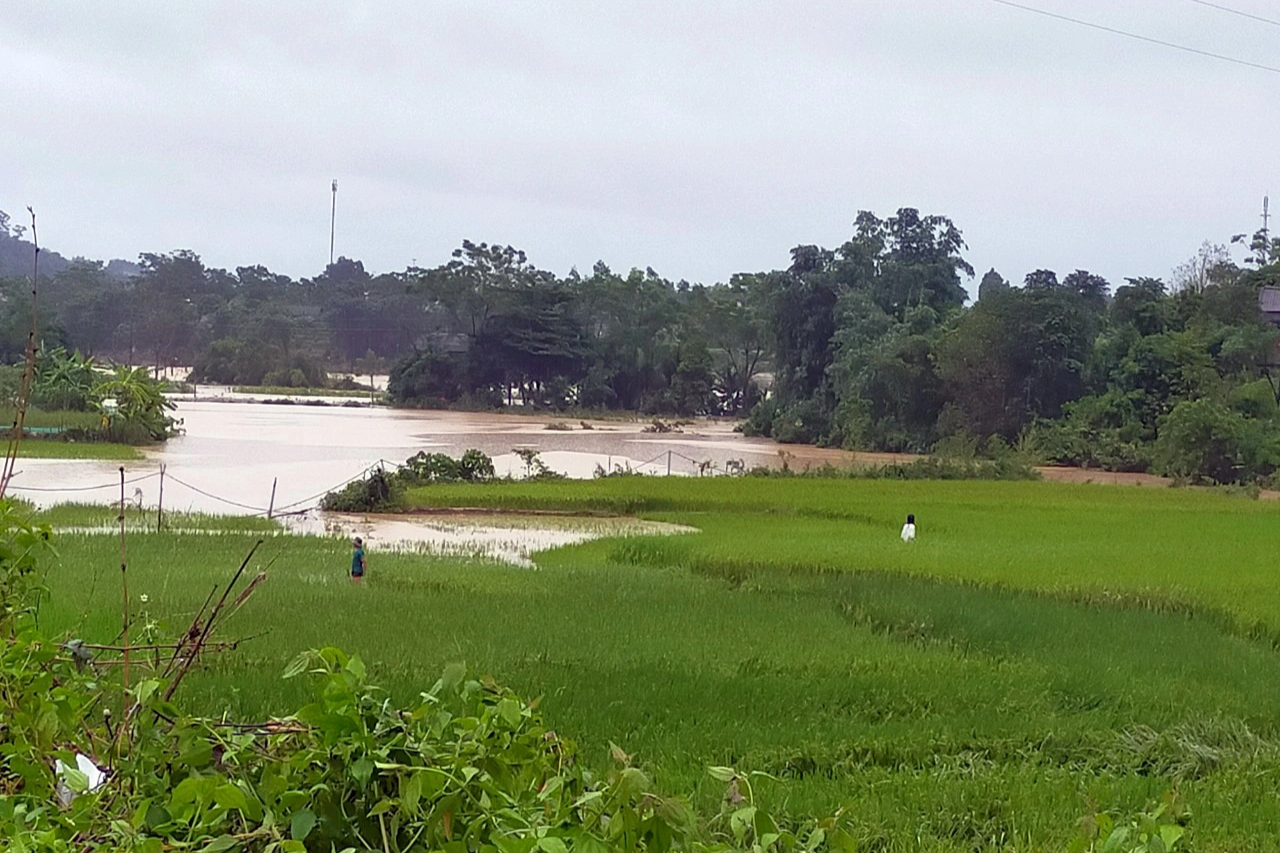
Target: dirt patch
[[1061, 474]]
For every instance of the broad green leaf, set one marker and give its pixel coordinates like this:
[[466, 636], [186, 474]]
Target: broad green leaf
[[509, 844], [362, 771], [453, 675], [157, 816], [411, 792], [301, 824], [230, 797], [1116, 841], [509, 710], [75, 780], [588, 797], [146, 690], [1171, 834], [197, 755], [221, 844], [589, 844], [632, 782], [551, 844], [723, 774], [297, 666]]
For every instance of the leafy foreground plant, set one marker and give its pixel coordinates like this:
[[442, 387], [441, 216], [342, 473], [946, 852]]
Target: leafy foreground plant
[[470, 768], [1159, 831]]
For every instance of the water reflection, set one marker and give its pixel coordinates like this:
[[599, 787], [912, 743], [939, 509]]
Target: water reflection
[[508, 538]]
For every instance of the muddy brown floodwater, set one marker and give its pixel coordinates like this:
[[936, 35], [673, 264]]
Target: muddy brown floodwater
[[231, 453]]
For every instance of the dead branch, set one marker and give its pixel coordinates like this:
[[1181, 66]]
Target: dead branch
[[209, 625]]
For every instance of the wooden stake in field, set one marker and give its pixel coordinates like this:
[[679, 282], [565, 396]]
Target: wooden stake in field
[[160, 502]]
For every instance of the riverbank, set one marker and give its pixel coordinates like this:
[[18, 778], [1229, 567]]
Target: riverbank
[[232, 457]]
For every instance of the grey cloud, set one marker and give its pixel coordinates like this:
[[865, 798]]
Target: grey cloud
[[700, 139]]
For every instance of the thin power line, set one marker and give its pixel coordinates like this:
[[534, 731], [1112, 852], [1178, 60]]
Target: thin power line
[[1242, 14], [1147, 39]]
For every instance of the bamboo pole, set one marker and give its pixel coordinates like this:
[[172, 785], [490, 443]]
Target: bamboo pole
[[124, 582]]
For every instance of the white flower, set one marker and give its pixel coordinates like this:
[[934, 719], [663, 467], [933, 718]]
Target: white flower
[[145, 598]]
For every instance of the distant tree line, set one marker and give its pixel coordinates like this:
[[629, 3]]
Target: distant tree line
[[869, 345], [873, 349], [504, 332]]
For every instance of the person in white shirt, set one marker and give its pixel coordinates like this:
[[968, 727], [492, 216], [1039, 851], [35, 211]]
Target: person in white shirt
[[909, 529]]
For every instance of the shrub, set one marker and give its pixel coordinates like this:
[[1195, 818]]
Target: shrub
[[380, 491], [804, 422], [475, 465], [370, 494], [1205, 441]]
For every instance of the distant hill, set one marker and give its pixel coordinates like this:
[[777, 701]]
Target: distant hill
[[15, 258]]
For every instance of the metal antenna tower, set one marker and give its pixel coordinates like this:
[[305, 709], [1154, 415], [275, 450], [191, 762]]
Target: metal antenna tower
[[333, 216]]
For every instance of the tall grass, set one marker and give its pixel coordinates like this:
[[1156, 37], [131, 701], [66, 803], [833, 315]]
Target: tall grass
[[141, 520], [39, 419], [980, 689]]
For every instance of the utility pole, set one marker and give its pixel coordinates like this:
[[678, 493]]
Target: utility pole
[[1266, 218], [333, 216]]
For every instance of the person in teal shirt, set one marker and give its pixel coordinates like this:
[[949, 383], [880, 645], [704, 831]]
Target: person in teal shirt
[[357, 561]]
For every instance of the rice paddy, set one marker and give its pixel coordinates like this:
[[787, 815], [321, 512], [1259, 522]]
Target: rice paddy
[[45, 448], [1042, 651]]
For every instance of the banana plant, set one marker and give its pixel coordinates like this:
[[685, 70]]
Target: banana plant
[[132, 397]]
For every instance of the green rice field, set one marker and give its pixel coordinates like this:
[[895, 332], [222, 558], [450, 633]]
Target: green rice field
[[1041, 652], [45, 448]]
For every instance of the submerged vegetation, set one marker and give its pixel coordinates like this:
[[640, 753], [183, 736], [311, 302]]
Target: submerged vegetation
[[75, 399], [382, 490], [42, 448]]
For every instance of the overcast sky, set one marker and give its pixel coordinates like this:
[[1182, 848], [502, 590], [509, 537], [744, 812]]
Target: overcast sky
[[698, 138]]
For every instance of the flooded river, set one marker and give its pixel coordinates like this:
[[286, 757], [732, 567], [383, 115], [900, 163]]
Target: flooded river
[[232, 452]]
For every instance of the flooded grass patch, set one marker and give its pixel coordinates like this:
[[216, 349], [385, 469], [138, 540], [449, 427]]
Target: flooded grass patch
[[49, 448], [510, 538], [87, 517]]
